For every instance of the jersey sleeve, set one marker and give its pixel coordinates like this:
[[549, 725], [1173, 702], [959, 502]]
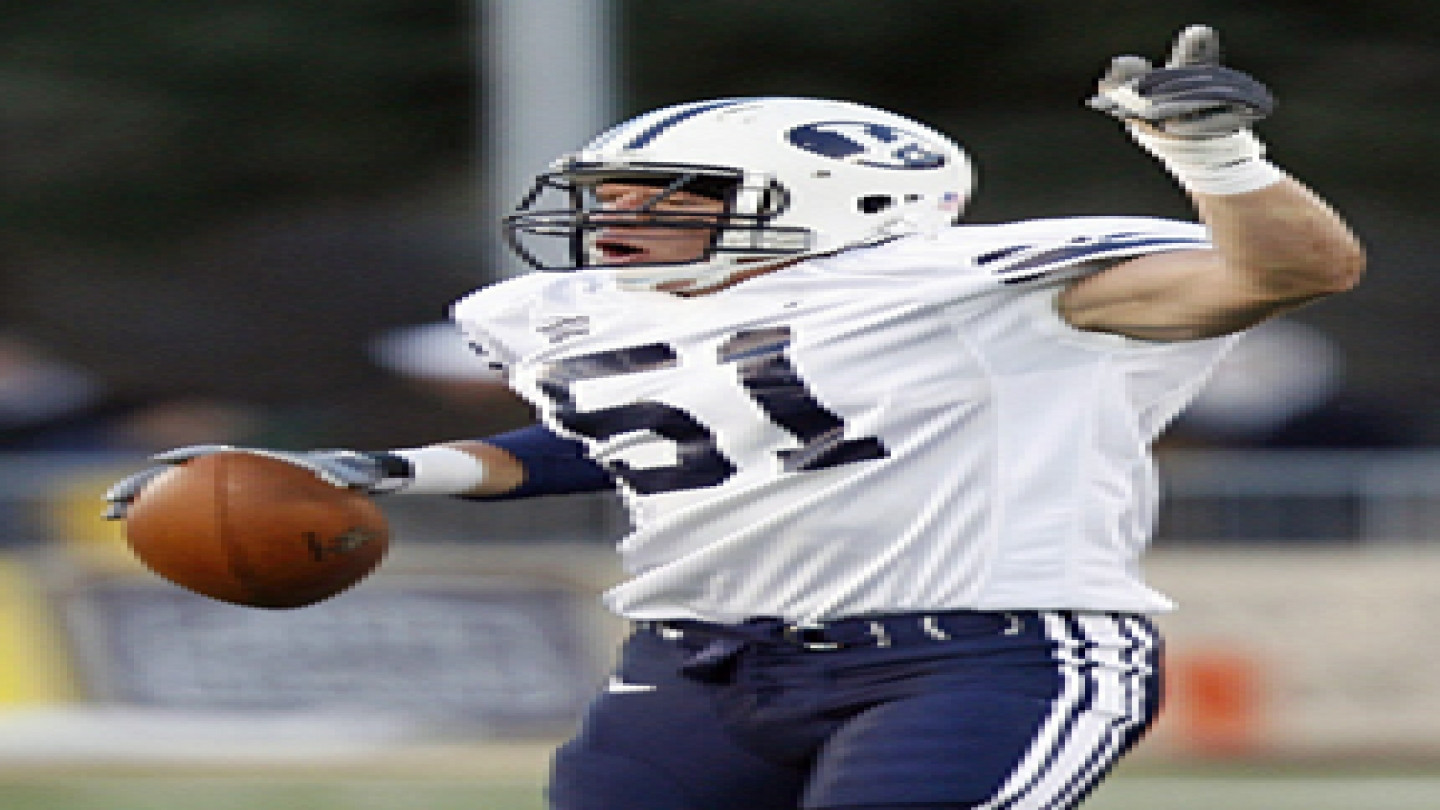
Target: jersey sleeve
[[1052, 253], [1036, 274], [1040, 249], [966, 259], [1027, 264]]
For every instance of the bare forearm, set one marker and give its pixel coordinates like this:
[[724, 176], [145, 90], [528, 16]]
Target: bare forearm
[[1285, 240]]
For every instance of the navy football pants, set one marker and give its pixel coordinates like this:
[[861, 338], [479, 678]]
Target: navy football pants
[[1010, 711]]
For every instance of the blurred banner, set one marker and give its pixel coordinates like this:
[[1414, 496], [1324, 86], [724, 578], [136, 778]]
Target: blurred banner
[[1301, 652], [490, 657], [488, 641], [1288, 654]]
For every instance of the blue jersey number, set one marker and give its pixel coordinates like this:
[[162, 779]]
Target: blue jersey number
[[765, 372]]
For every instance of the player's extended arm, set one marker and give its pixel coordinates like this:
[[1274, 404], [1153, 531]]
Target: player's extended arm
[[522, 463], [1277, 244]]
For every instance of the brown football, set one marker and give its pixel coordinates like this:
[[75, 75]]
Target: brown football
[[256, 531]]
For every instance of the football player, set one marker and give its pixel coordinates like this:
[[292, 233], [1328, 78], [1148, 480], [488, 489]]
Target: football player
[[889, 475]]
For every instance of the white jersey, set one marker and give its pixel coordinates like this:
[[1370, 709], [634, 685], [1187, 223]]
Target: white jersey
[[908, 427]]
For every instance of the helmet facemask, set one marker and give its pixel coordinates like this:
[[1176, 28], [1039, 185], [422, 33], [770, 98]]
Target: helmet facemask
[[565, 224]]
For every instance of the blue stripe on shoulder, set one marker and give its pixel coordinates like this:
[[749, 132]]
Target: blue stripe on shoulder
[[1039, 264]]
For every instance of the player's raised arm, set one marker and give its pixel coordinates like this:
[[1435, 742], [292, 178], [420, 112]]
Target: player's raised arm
[[1276, 244]]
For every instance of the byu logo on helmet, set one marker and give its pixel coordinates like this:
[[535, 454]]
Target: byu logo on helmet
[[869, 144]]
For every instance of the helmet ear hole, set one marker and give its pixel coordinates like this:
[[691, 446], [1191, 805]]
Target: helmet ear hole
[[874, 203]]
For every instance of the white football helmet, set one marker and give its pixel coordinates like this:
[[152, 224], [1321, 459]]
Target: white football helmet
[[799, 177]]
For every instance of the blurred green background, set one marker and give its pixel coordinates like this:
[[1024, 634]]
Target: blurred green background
[[227, 200]]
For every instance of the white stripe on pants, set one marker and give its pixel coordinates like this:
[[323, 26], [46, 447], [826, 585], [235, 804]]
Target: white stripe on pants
[[1104, 662]]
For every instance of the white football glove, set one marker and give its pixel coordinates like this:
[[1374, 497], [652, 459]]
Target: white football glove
[[1192, 96], [347, 469]]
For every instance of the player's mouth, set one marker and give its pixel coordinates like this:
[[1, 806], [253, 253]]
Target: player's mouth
[[618, 251]]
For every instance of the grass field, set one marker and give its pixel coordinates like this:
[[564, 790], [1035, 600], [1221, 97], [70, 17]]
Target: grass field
[[1127, 792], [1254, 791], [178, 793]]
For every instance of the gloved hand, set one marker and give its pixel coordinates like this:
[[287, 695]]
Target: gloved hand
[[347, 469], [1192, 96]]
